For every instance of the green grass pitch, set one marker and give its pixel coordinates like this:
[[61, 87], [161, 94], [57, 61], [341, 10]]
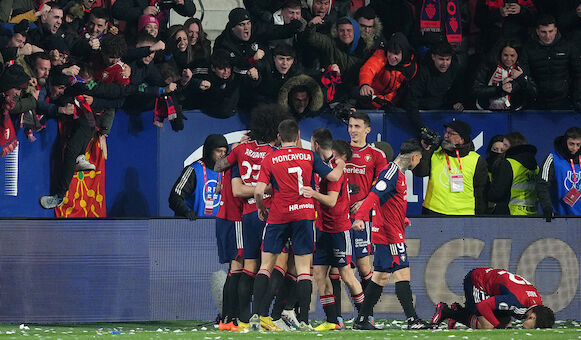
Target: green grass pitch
[[199, 330]]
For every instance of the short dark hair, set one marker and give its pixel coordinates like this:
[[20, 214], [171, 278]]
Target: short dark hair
[[342, 148], [38, 55], [573, 133], [366, 12], [545, 318], [221, 59], [100, 13], [113, 46], [292, 4], [361, 115], [545, 20], [443, 49], [516, 138], [264, 122], [284, 50], [410, 146], [323, 137], [144, 37], [288, 130], [53, 5]]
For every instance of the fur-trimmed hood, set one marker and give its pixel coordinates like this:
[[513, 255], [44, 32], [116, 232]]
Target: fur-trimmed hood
[[314, 90], [371, 40]]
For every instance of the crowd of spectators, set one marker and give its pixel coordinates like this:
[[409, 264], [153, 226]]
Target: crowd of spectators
[[87, 58]]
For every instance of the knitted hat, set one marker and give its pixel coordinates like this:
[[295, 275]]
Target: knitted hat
[[463, 129], [237, 15], [21, 27], [12, 78], [144, 20]]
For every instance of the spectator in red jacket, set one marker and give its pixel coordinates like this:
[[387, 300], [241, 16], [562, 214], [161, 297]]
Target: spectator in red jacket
[[387, 71]]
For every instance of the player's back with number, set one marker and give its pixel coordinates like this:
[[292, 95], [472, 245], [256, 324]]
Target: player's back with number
[[497, 281], [288, 170], [249, 156]]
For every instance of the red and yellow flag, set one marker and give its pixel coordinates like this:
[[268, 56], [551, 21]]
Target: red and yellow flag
[[86, 195]]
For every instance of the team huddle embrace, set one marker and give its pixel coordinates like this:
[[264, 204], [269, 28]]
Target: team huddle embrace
[[289, 215]]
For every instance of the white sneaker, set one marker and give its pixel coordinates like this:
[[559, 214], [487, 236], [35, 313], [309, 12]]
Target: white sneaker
[[83, 164], [282, 325], [290, 317]]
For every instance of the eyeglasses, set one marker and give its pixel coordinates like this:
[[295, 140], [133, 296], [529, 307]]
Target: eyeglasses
[[451, 133]]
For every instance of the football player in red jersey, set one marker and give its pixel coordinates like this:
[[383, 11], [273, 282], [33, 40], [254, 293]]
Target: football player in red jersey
[[493, 298], [388, 199], [290, 169], [363, 169], [249, 156], [230, 248], [333, 240]]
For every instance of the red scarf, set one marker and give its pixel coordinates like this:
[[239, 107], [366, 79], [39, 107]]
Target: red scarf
[[330, 80], [8, 139], [163, 108], [430, 19]]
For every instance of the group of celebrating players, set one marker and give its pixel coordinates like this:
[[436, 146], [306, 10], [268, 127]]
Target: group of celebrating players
[[288, 215]]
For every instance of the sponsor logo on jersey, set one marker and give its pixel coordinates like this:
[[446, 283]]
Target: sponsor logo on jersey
[[351, 168], [294, 207]]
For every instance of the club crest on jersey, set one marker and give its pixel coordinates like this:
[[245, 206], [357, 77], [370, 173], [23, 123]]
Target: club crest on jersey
[[367, 157], [402, 257]]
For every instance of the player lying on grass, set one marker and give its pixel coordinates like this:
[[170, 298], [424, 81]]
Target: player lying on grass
[[493, 298]]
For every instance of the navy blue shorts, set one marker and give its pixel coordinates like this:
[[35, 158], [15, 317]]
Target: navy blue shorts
[[229, 240], [252, 229], [301, 234], [361, 241], [473, 295], [332, 249], [389, 258]]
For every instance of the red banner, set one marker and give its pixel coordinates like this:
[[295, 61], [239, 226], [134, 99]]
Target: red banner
[[86, 195]]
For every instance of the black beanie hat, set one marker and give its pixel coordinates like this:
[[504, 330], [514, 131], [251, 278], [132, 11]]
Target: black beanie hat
[[236, 16], [463, 129], [12, 78]]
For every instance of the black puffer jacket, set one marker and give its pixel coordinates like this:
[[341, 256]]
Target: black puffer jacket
[[556, 69], [499, 190], [523, 88]]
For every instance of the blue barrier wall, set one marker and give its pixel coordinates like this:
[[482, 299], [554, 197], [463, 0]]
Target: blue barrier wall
[[164, 269], [142, 167]]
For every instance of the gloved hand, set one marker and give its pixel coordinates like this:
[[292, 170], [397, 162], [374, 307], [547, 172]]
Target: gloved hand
[[548, 215], [191, 215]]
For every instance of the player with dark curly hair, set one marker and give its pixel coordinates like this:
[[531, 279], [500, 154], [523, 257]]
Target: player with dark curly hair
[[248, 156]]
